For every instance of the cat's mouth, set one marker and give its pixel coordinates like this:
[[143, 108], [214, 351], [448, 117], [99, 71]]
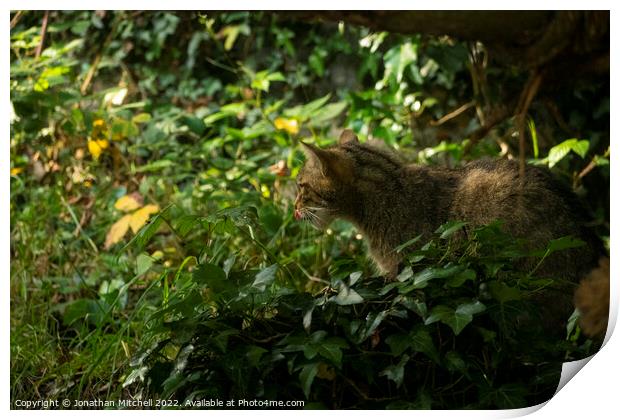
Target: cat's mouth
[[317, 217]]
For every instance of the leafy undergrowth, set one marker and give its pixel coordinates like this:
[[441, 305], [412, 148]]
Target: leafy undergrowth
[[195, 121], [449, 333]]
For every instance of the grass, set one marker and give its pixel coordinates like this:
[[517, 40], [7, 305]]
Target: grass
[[80, 313]]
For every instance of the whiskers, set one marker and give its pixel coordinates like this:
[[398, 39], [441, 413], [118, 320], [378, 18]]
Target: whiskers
[[310, 214]]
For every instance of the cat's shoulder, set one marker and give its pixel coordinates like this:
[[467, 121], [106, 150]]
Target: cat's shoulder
[[505, 165], [380, 147], [508, 168], [490, 165]]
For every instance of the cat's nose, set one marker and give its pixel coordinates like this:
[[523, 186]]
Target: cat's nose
[[297, 213]]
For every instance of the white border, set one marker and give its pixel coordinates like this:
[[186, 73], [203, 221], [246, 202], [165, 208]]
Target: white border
[[314, 5], [591, 395]]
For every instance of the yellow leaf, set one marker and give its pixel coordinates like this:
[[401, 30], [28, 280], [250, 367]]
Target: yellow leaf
[[127, 203], [95, 147], [100, 130], [117, 231], [16, 171], [326, 372], [290, 126], [265, 191], [140, 217]]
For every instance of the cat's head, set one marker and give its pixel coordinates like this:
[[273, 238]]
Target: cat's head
[[325, 183]]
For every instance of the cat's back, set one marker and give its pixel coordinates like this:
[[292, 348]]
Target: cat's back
[[537, 207], [486, 190], [493, 189]]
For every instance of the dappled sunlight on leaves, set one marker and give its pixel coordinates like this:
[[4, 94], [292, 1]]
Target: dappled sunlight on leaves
[[128, 202], [96, 147], [289, 125], [117, 231], [137, 217]]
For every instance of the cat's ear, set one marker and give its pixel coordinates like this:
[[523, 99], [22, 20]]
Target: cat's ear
[[348, 136], [317, 155], [330, 163]]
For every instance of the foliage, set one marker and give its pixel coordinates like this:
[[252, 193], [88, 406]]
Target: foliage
[[153, 157], [450, 333]]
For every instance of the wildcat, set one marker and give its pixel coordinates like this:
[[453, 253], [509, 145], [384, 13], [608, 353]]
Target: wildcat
[[391, 202]]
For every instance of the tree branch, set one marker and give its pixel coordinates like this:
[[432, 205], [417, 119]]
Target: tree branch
[[37, 53], [523, 38]]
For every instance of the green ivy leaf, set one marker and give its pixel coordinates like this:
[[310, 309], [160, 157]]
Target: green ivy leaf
[[460, 278], [439, 313], [506, 396], [458, 318], [221, 340], [454, 362], [209, 274], [422, 342], [566, 242], [346, 296], [354, 277], [415, 305], [421, 279], [448, 229], [464, 314], [332, 352], [136, 374], [396, 373], [405, 275], [228, 263], [214, 278], [408, 243], [307, 319], [470, 308], [306, 377], [398, 343], [309, 351], [265, 278], [372, 323], [254, 354], [502, 292], [318, 336]]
